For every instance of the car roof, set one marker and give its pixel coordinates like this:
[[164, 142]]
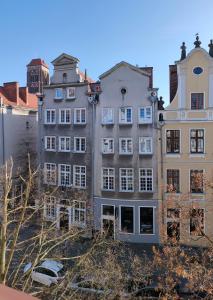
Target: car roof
[[52, 265]]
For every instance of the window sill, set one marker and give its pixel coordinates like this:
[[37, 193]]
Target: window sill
[[47, 150], [125, 124], [146, 234], [70, 99], [140, 153], [107, 124], [147, 192], [64, 151], [49, 123], [78, 152], [177, 155], [202, 155], [103, 190], [80, 124], [64, 124], [108, 153], [120, 191], [125, 154], [79, 187], [58, 99], [144, 122]]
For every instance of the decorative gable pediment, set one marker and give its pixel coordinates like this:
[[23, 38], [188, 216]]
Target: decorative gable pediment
[[65, 59]]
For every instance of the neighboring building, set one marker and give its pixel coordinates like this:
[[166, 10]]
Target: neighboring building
[[18, 126], [125, 162], [37, 75], [186, 164], [65, 123]]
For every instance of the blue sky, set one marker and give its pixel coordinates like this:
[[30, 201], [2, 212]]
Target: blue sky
[[101, 33]]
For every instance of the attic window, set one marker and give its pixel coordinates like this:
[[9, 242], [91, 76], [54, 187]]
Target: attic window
[[64, 77], [197, 70]]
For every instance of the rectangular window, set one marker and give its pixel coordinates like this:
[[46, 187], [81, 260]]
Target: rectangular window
[[127, 219], [108, 179], [145, 145], [80, 116], [125, 146], [173, 181], [126, 180], [173, 213], [197, 221], [64, 144], [64, 175], [107, 145], [71, 93], [173, 141], [145, 115], [50, 207], [50, 116], [196, 181], [197, 101], [145, 180], [50, 143], [65, 116], [125, 115], [79, 176], [79, 213], [197, 140], [107, 115], [59, 93], [146, 220], [80, 144], [50, 173]]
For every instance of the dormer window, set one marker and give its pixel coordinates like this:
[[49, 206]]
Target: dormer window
[[197, 101], [64, 77]]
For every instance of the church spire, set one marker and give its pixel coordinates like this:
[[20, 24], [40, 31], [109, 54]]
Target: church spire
[[197, 43], [211, 48], [183, 51]]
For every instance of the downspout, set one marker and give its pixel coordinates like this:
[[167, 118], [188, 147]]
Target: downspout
[[2, 130]]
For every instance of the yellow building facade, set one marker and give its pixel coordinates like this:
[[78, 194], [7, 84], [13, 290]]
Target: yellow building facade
[[186, 151]]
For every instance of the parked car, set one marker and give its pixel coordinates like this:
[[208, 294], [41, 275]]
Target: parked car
[[47, 273]]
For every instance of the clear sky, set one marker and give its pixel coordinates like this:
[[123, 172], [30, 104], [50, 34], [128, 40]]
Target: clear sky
[[101, 33]]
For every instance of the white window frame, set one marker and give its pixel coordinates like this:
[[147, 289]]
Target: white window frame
[[127, 177], [66, 172], [145, 139], [109, 177], [73, 94], [52, 171], [126, 148], [106, 142], [67, 113], [125, 119], [56, 96], [52, 120], [50, 208], [105, 115], [52, 143], [80, 144], [82, 176], [77, 209], [66, 138], [139, 218], [145, 120], [146, 177], [75, 116]]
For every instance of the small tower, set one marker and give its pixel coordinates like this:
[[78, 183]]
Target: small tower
[[37, 75]]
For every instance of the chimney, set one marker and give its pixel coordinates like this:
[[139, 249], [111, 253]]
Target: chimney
[[23, 93], [11, 90], [173, 81], [149, 70]]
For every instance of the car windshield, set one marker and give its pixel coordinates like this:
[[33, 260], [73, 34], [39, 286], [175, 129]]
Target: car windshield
[[45, 272]]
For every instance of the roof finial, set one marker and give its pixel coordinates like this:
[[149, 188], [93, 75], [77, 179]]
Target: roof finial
[[183, 51], [85, 75], [197, 43], [211, 48]]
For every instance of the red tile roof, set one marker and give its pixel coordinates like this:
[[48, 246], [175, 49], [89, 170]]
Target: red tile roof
[[38, 62], [7, 293], [16, 96], [90, 80]]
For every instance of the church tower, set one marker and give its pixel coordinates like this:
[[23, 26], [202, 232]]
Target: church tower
[[37, 75]]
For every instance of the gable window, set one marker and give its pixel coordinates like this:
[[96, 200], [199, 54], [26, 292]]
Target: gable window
[[80, 116], [197, 221], [126, 180], [145, 145], [107, 115], [145, 115], [64, 144], [145, 180], [71, 93], [127, 219], [197, 101], [65, 116], [196, 181], [79, 144], [64, 175], [108, 179], [64, 77], [50, 116], [173, 141], [50, 143], [173, 181], [50, 173], [58, 93], [107, 145], [125, 115], [146, 220], [50, 207], [197, 140], [125, 146], [173, 224], [79, 213], [79, 176]]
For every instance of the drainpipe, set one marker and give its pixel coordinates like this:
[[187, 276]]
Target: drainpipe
[[39, 146], [2, 130]]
